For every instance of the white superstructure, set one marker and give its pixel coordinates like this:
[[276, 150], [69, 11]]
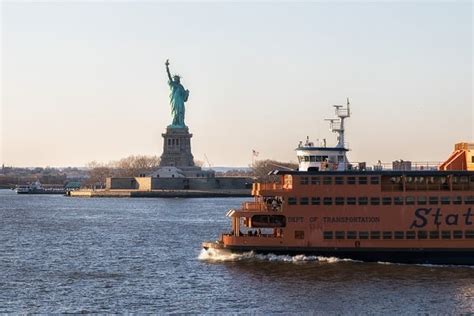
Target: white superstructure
[[321, 157]]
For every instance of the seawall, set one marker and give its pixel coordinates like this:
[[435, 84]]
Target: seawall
[[160, 193]]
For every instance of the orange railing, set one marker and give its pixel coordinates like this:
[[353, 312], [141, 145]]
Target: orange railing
[[267, 186], [254, 206]]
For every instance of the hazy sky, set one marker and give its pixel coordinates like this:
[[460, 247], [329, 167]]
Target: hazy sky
[[86, 81]]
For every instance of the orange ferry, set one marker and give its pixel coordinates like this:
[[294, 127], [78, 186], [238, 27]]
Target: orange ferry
[[410, 213]]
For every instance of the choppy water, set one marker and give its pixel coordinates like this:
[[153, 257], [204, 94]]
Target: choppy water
[[61, 254]]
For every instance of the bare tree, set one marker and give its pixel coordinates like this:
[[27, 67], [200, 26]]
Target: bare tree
[[98, 173], [131, 166], [261, 168]]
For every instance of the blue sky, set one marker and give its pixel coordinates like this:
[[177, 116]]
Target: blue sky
[[86, 81]]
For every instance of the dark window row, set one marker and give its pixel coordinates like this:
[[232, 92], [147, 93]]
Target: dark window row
[[386, 200], [420, 234], [326, 180]]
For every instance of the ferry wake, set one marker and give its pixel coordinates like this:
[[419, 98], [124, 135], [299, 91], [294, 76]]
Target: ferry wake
[[404, 213]]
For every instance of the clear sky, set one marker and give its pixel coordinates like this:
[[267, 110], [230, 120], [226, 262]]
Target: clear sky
[[86, 81]]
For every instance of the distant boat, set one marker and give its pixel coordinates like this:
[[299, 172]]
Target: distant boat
[[37, 188]]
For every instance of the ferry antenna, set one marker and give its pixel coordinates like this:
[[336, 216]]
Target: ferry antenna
[[337, 124]]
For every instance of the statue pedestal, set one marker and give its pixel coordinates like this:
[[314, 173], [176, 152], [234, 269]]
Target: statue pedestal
[[177, 148]]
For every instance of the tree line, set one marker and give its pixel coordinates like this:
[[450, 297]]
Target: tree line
[[134, 166], [131, 166]]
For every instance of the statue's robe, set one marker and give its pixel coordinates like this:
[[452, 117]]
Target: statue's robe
[[178, 96]]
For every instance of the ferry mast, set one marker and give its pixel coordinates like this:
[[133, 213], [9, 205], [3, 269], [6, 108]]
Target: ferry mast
[[337, 125]]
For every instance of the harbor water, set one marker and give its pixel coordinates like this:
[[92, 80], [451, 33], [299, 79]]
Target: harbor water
[[113, 255]]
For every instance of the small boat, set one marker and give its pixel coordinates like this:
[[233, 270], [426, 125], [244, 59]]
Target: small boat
[[37, 188]]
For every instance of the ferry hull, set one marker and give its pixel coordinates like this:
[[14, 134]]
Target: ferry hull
[[408, 256]]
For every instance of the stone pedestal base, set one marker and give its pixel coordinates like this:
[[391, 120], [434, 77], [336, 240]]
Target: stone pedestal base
[[177, 148]]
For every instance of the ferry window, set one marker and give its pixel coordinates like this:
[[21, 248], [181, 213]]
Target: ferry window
[[410, 200], [339, 200], [299, 234], [362, 180], [398, 200], [457, 234], [304, 180], [169, 141], [457, 200], [306, 158], [411, 234], [315, 200], [446, 234], [374, 180], [464, 179], [304, 201], [327, 180], [421, 200], [472, 159], [374, 235], [327, 201], [374, 201], [339, 180], [387, 235], [312, 158], [340, 158], [363, 200], [445, 200], [422, 234], [469, 234], [351, 201], [433, 200], [363, 235], [268, 221], [340, 235], [300, 159], [351, 180], [276, 220], [396, 180], [469, 200], [386, 200], [434, 234], [399, 235], [315, 180], [351, 235], [292, 201], [327, 235]]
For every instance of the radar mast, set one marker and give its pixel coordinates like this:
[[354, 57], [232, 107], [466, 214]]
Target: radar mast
[[337, 124]]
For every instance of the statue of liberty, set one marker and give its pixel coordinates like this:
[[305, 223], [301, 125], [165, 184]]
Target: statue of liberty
[[178, 96]]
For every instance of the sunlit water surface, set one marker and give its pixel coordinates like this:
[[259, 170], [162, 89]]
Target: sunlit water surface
[[61, 254]]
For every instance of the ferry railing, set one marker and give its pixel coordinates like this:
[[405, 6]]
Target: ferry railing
[[254, 206], [261, 207], [399, 165], [231, 234], [267, 186]]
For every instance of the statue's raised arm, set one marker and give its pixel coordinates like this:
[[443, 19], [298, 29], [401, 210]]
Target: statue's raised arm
[[167, 63]]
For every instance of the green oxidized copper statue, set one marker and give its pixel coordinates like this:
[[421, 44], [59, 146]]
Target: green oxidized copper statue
[[178, 96]]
